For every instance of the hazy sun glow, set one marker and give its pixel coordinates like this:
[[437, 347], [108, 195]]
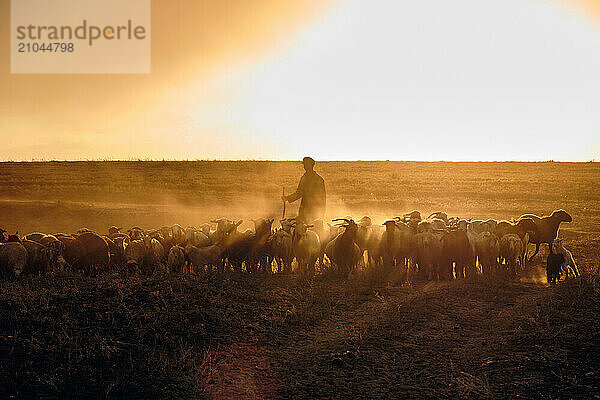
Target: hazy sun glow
[[357, 79]]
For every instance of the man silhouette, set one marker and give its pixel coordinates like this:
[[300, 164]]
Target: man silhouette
[[312, 191]]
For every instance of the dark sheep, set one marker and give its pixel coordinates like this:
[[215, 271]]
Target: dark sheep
[[343, 250], [456, 249], [13, 260], [14, 238], [176, 259], [116, 252], [39, 257], [74, 252], [251, 250], [135, 252], [554, 262], [36, 236], [97, 252]]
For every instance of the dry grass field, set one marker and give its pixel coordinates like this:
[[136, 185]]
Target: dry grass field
[[241, 336]]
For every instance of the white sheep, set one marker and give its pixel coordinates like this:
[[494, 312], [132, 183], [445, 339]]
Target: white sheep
[[511, 249], [569, 264]]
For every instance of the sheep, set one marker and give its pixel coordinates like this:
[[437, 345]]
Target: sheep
[[439, 215], [307, 248], [524, 228], [453, 222], [199, 239], [38, 257], [343, 250], [487, 249], [429, 253], [250, 250], [226, 229], [176, 259], [546, 228], [569, 264], [13, 238], [115, 251], [462, 225], [475, 226], [554, 263], [373, 245], [178, 234], [281, 249], [115, 236], [363, 234], [397, 243], [13, 260], [35, 237], [136, 233], [456, 249], [511, 248], [135, 252], [489, 225], [52, 241], [424, 227], [154, 254], [74, 252], [520, 228], [288, 224], [369, 240], [413, 215], [53, 251], [411, 219], [438, 224], [479, 226], [204, 256], [113, 230], [326, 235], [259, 255], [97, 252], [205, 229]]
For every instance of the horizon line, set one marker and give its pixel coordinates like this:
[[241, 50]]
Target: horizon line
[[149, 159]]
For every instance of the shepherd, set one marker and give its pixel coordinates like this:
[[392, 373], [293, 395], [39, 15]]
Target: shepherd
[[311, 190]]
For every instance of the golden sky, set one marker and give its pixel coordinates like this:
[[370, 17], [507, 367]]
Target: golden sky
[[338, 79]]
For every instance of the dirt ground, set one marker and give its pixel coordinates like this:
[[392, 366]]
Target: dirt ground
[[239, 336]]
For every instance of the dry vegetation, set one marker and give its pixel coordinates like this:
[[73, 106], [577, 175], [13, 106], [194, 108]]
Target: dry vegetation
[[241, 336]]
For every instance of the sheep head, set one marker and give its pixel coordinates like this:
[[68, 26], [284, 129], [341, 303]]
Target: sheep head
[[562, 216], [389, 224], [349, 224]]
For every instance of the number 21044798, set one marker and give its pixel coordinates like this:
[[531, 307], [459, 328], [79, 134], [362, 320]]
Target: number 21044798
[[53, 47]]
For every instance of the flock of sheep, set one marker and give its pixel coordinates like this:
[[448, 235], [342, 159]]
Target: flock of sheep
[[436, 247]]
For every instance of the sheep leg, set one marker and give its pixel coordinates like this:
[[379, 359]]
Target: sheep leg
[[537, 249]]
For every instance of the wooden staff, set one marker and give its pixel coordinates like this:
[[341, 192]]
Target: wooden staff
[[283, 193]]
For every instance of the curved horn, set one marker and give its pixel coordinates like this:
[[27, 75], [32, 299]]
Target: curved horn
[[341, 219]]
